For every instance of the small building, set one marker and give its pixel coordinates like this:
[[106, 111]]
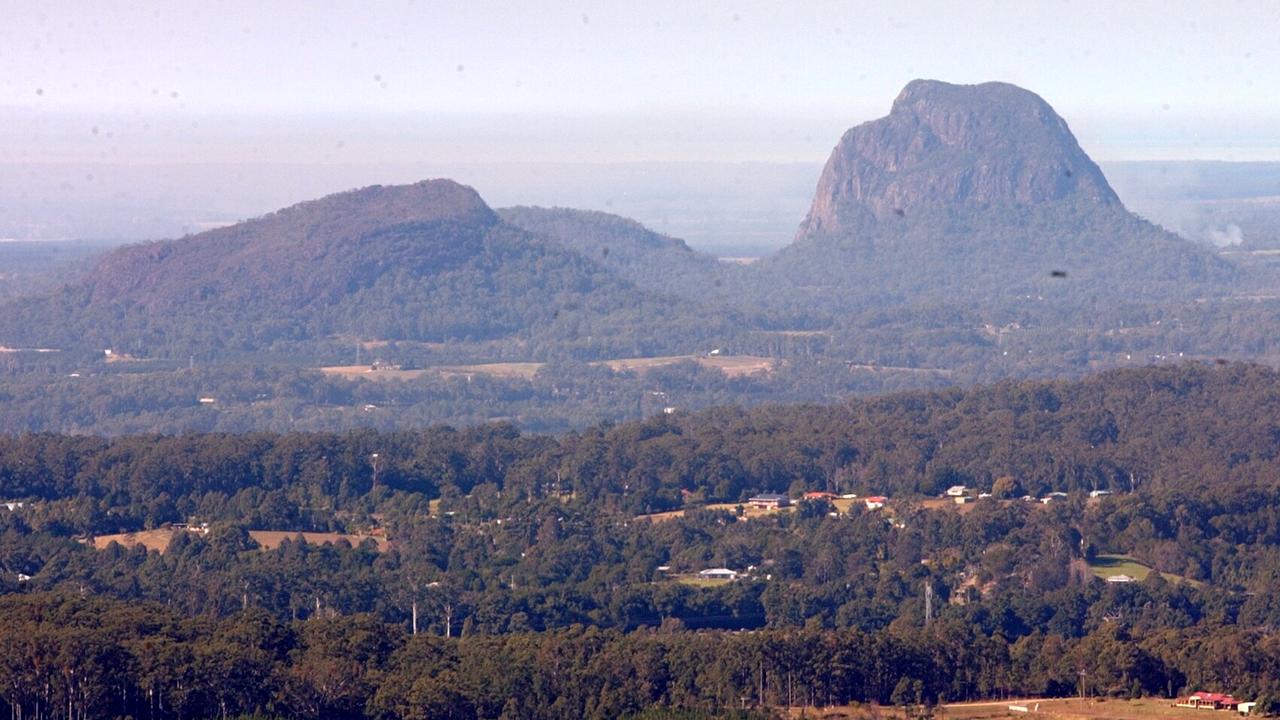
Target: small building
[[23, 578], [718, 574], [875, 502], [962, 499], [14, 506], [206, 400], [1246, 708], [1209, 701], [819, 495], [1099, 493], [769, 501], [956, 491], [1121, 579]]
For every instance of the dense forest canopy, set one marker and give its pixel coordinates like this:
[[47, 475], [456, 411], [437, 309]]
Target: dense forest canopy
[[457, 561]]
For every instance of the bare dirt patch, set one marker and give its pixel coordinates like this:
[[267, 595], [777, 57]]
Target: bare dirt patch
[[150, 539]]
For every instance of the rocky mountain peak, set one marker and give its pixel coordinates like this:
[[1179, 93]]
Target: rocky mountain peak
[[953, 147]]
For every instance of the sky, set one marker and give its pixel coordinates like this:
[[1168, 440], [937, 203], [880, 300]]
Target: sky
[[373, 82]]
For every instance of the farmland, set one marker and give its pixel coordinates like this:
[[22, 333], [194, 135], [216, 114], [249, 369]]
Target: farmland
[[730, 365], [366, 372]]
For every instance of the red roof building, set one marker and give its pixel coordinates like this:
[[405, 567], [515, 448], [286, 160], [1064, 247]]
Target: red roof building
[[1208, 701], [819, 495]]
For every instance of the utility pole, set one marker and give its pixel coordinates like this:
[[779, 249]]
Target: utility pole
[[928, 602]]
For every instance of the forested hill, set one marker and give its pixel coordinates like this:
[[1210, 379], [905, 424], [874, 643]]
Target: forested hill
[[428, 262], [482, 573], [650, 260], [1176, 428]]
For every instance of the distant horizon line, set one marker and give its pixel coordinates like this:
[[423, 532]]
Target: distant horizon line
[[1272, 159]]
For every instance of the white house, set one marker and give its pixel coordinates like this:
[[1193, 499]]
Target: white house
[[1099, 493], [769, 501], [956, 491], [718, 574], [1121, 579]]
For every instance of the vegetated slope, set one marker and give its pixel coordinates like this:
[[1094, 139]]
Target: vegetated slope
[[426, 262], [972, 193], [650, 260]]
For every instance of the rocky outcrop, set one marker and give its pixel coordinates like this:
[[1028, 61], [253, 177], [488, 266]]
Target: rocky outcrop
[[945, 145]]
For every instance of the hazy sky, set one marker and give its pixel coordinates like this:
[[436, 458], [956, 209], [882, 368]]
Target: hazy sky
[[248, 81]]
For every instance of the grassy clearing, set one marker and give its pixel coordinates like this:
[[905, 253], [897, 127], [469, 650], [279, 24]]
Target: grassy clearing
[[363, 372], [845, 505], [1061, 709], [1105, 566], [1080, 708], [842, 506], [512, 370], [150, 539], [748, 512], [271, 539], [700, 582], [950, 504], [159, 539], [730, 365]]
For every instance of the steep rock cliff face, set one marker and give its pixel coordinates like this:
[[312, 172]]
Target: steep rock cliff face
[[976, 195], [943, 145]]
